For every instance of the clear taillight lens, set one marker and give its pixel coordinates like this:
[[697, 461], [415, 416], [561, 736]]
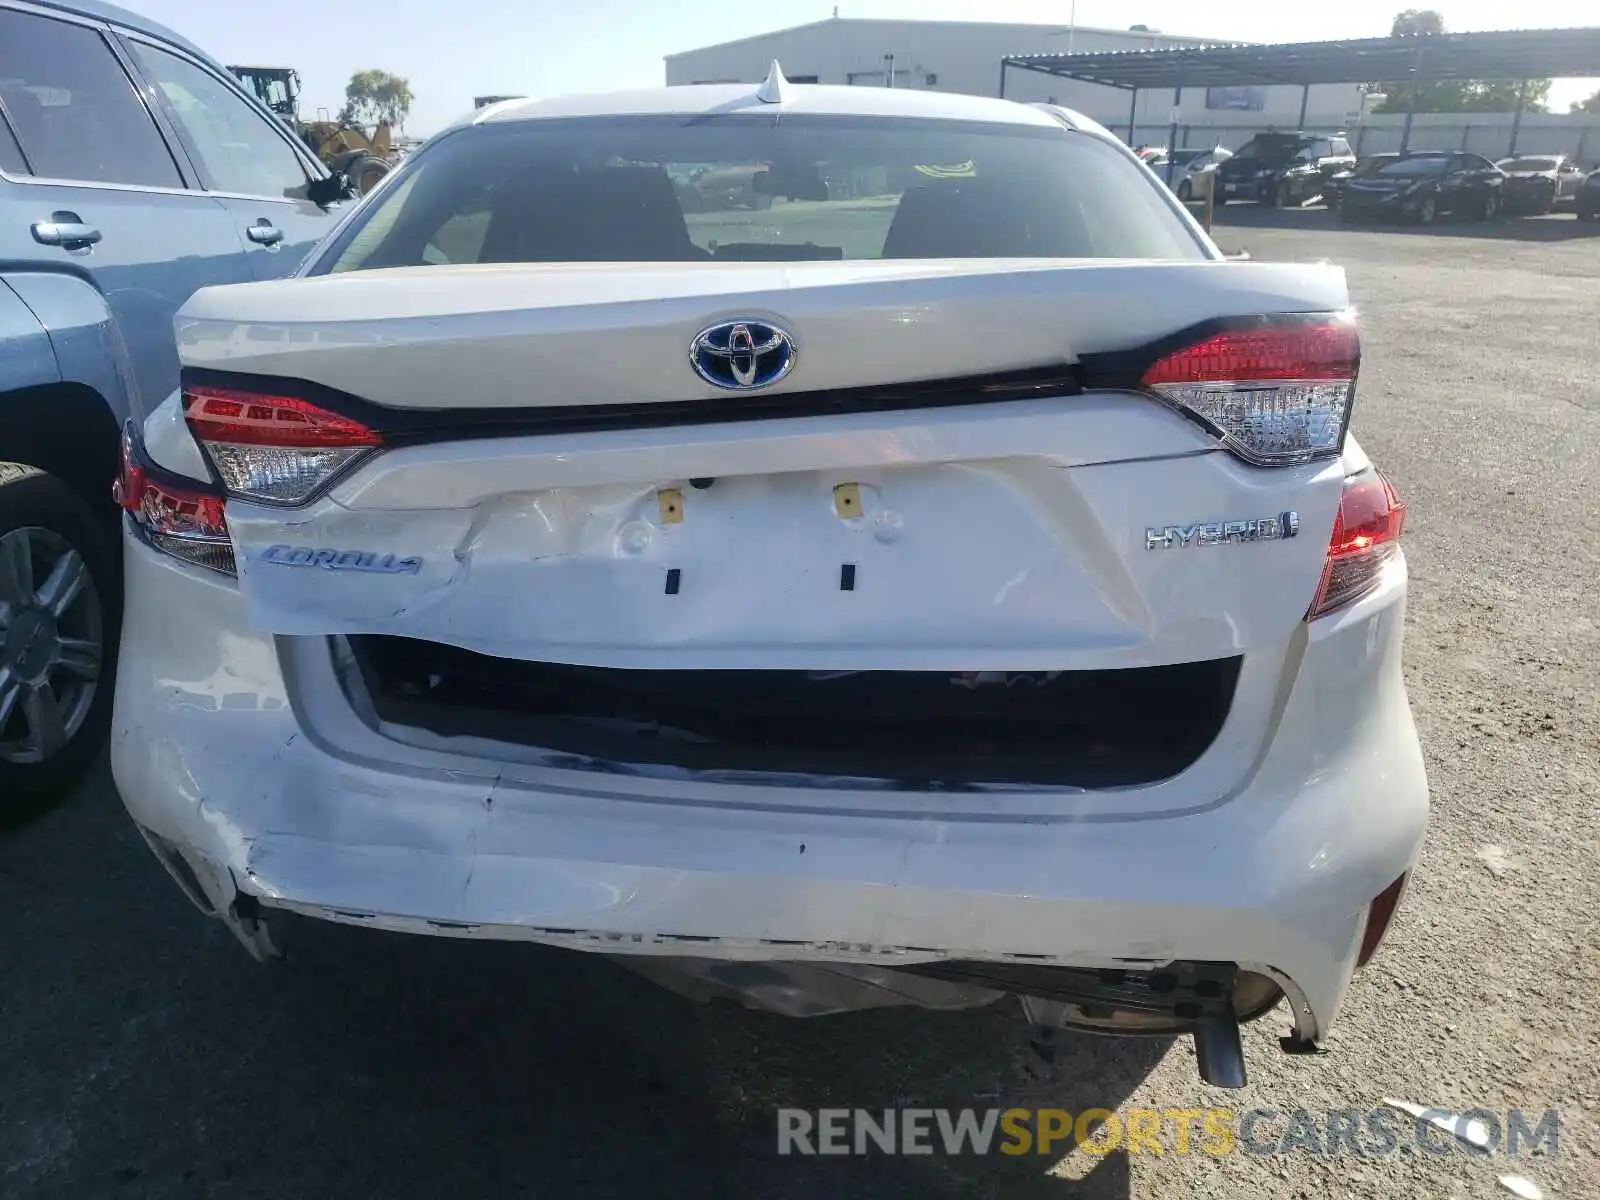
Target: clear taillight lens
[[273, 449], [183, 522], [1366, 535], [1276, 393]]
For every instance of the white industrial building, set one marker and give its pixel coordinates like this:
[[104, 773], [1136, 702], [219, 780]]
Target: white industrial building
[[965, 56]]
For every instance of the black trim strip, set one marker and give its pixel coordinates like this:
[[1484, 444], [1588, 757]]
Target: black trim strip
[[409, 426], [1116, 370], [134, 435]]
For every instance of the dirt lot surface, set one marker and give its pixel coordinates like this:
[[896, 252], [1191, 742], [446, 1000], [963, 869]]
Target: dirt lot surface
[[145, 1056]]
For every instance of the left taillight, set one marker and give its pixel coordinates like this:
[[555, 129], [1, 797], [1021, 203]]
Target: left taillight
[[185, 522], [273, 449]]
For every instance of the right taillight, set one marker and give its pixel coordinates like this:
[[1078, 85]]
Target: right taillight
[[1278, 391], [1366, 535], [270, 448]]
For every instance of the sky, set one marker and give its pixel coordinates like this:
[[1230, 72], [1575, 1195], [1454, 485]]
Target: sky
[[453, 50]]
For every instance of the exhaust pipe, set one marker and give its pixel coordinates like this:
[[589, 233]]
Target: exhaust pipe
[[1218, 1051]]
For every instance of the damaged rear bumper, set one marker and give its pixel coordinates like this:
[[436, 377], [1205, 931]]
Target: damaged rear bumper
[[253, 776]]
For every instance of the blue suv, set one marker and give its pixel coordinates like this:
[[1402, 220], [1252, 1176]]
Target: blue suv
[[133, 170]]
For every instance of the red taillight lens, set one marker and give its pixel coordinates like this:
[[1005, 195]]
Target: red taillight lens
[[1277, 393], [1328, 350], [275, 449], [257, 419], [1366, 533], [186, 523]]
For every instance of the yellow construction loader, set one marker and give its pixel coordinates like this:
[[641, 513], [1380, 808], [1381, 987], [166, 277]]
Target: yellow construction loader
[[343, 146]]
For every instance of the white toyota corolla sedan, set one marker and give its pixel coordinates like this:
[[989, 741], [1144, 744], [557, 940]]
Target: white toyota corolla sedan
[[828, 547]]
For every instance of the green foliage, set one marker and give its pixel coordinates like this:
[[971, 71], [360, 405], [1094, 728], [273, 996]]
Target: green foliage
[[1453, 95], [1465, 95], [1591, 105], [1416, 21], [372, 96]]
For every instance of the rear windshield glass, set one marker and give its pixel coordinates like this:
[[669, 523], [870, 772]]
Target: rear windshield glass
[[755, 188], [1270, 148], [1413, 166]]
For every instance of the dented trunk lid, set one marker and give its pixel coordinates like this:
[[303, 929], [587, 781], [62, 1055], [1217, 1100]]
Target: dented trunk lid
[[1026, 532]]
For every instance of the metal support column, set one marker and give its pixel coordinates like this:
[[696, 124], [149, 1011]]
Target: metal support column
[[1004, 63], [1133, 114], [1411, 99], [1516, 118], [1305, 95], [1177, 104]]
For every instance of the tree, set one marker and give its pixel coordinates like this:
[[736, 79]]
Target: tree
[[373, 96], [1591, 105], [1415, 22], [1453, 95]]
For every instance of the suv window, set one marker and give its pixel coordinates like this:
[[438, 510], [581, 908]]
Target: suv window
[[1316, 150], [747, 188], [236, 146], [1270, 147], [1419, 164], [73, 108], [10, 152], [1339, 147]]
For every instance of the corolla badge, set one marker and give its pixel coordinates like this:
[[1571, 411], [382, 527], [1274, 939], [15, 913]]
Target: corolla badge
[[340, 560], [742, 355]]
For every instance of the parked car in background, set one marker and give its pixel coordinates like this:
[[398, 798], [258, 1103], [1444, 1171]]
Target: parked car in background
[[1187, 165], [133, 170], [1178, 168], [1423, 187], [1282, 168], [974, 592], [1538, 183], [1587, 203], [1333, 186]]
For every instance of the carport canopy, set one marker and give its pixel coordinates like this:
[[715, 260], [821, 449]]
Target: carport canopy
[[1517, 54]]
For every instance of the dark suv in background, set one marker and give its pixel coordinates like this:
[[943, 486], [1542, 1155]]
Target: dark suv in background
[[1283, 168]]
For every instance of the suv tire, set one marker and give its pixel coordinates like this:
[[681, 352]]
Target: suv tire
[[59, 620]]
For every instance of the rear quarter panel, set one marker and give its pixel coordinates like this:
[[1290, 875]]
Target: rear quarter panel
[[75, 329], [26, 357]]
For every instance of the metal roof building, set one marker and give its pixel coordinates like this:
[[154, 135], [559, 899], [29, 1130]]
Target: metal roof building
[[965, 57], [1518, 54], [1182, 89]]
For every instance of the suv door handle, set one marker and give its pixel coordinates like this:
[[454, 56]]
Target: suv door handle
[[65, 229], [264, 232]]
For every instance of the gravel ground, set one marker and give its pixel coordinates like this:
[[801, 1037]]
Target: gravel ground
[[145, 1056]]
